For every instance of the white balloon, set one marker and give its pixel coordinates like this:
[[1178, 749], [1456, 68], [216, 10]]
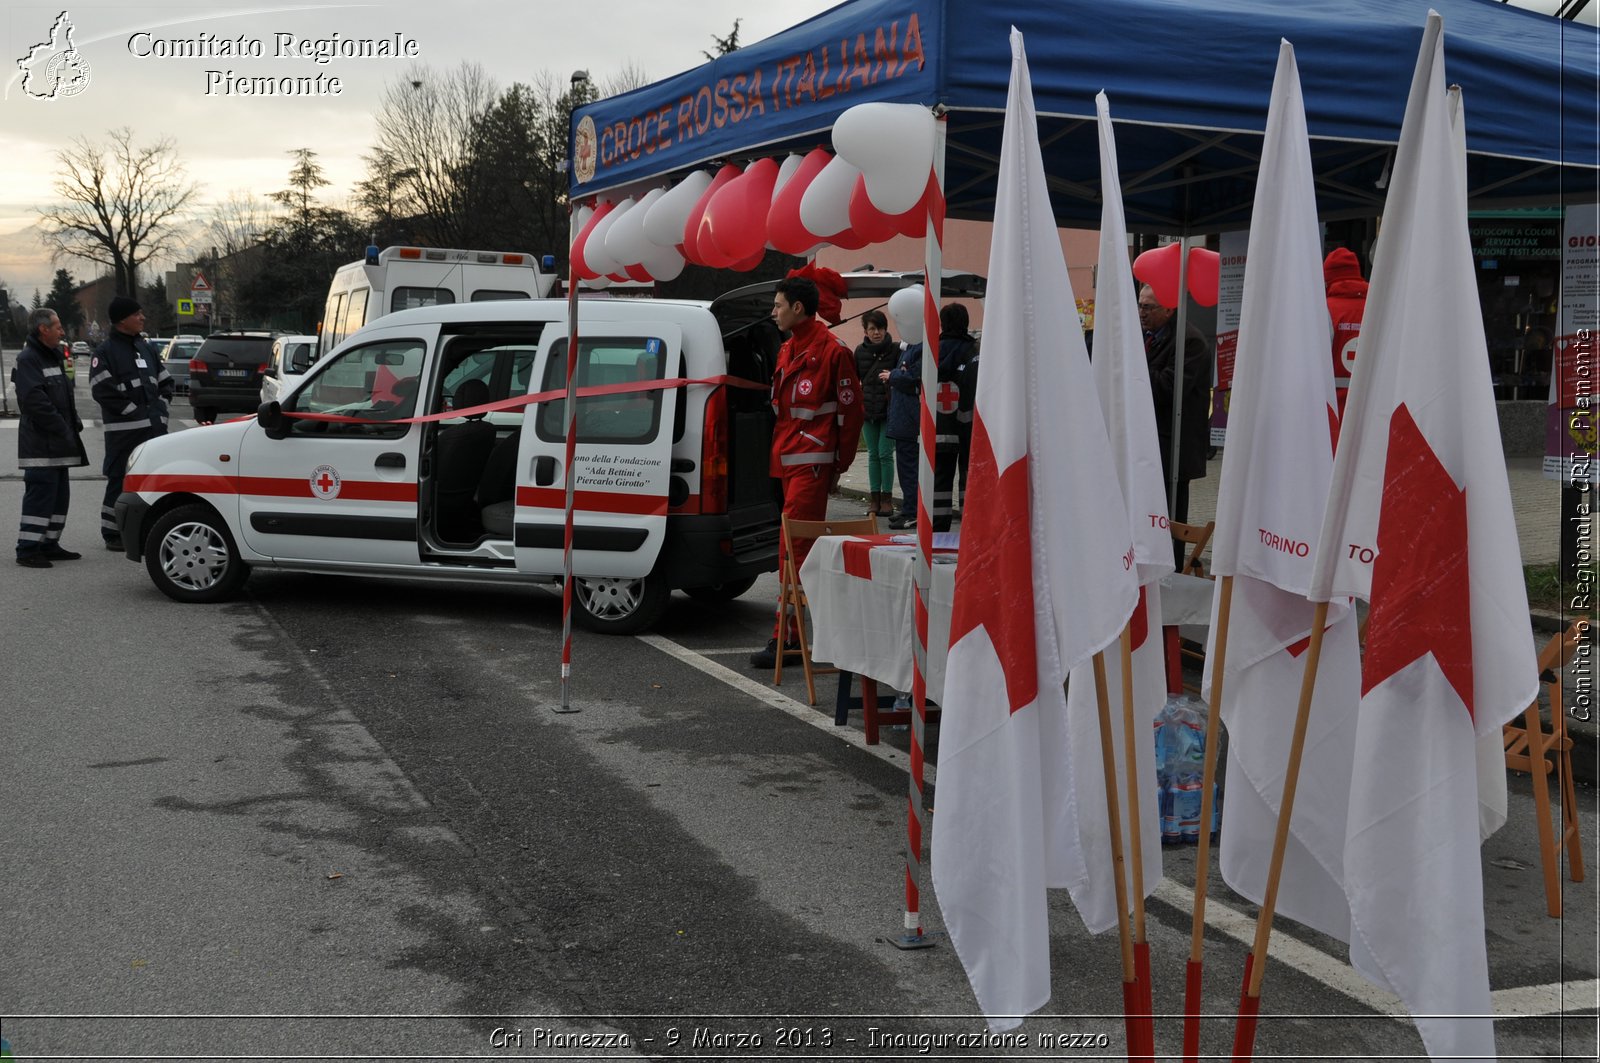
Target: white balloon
[[892, 145], [825, 207], [664, 223], [595, 252], [663, 263], [596, 284], [619, 219], [785, 171], [626, 241], [905, 306]]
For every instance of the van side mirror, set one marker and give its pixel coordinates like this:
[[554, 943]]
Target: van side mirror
[[270, 416]]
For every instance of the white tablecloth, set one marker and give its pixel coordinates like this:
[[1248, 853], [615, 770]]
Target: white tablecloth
[[868, 625]]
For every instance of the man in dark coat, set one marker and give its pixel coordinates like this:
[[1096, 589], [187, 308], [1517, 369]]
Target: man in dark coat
[[48, 442], [1194, 436], [129, 382]]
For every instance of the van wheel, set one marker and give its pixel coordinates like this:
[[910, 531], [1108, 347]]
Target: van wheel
[[191, 557], [721, 592], [619, 606]]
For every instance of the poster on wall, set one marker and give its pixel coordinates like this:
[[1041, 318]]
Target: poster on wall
[[1230, 302], [1570, 421]]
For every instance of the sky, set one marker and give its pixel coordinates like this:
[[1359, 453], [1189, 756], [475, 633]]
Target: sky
[[230, 142]]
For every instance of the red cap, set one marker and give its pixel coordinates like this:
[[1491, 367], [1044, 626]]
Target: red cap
[[830, 290]]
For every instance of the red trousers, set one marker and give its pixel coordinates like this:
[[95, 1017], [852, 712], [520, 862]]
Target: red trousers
[[805, 497]]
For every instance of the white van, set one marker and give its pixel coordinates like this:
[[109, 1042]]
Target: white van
[[291, 356], [405, 278], [672, 488]]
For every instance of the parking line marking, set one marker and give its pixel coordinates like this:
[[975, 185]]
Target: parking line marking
[[769, 696], [1554, 998]]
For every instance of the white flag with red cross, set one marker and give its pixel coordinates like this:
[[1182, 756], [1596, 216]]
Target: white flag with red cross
[[1045, 580], [1122, 381], [1419, 523]]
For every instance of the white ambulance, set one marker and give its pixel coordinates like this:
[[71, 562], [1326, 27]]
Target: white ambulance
[[405, 278], [672, 489]]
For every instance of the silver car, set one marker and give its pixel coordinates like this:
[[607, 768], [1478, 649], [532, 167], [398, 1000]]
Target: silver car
[[291, 356], [176, 357]]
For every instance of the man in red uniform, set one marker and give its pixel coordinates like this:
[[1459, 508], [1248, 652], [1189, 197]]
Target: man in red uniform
[[1347, 302], [817, 400]]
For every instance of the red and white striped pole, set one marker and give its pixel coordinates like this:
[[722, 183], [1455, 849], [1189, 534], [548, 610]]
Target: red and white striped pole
[[572, 450], [933, 265]]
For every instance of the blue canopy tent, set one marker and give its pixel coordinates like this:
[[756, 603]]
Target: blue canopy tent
[[1188, 83]]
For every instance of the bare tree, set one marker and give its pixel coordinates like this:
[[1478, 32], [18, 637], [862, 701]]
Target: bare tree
[[631, 76], [425, 124], [121, 203], [237, 222]]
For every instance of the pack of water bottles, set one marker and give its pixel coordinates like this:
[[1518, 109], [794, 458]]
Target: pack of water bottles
[[1180, 735]]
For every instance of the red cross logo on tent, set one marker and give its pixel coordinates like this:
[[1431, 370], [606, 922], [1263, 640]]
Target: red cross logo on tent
[[949, 396], [325, 482]]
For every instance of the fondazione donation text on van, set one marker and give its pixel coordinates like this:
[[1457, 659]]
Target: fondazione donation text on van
[[318, 50]]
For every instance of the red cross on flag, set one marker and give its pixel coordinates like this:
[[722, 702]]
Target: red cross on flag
[[1045, 580], [1419, 523], [948, 397]]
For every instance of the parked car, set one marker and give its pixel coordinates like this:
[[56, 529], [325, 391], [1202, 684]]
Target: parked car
[[176, 355], [82, 347], [225, 373], [291, 357]]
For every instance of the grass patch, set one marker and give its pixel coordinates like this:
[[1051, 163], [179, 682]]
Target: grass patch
[[1547, 592]]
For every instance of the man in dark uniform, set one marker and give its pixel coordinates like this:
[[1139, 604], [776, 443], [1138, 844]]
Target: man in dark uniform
[[48, 442], [130, 384]]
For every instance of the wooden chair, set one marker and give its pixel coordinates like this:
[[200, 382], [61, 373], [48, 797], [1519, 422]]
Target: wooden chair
[[792, 604], [1196, 536], [1530, 748]]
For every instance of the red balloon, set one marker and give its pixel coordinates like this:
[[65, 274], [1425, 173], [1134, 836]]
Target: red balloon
[[1159, 269], [869, 223], [736, 217], [579, 268], [747, 264], [638, 273], [784, 229], [847, 239], [1205, 270], [691, 226]]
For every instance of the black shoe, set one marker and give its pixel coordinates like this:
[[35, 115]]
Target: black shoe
[[114, 544], [767, 657], [900, 521], [34, 561], [61, 553]]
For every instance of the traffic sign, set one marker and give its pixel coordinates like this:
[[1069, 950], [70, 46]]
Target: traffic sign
[[201, 297], [200, 284], [186, 307]]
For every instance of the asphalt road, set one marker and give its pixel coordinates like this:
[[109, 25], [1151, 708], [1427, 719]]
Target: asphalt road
[[339, 817]]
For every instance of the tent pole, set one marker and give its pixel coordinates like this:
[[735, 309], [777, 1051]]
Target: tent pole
[[933, 265], [1180, 336]]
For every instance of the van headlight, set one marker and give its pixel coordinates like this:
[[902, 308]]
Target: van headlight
[[133, 458]]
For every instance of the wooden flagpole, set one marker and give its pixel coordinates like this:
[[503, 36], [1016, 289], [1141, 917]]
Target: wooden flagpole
[[1202, 876], [1108, 759], [1141, 944], [1244, 1035]]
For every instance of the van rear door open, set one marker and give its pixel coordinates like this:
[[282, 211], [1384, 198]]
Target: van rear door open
[[623, 458]]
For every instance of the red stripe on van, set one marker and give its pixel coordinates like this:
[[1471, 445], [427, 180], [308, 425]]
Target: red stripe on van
[[271, 487], [593, 501]]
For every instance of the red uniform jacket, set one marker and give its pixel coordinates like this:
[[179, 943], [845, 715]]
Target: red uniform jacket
[[817, 398], [1347, 302]]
